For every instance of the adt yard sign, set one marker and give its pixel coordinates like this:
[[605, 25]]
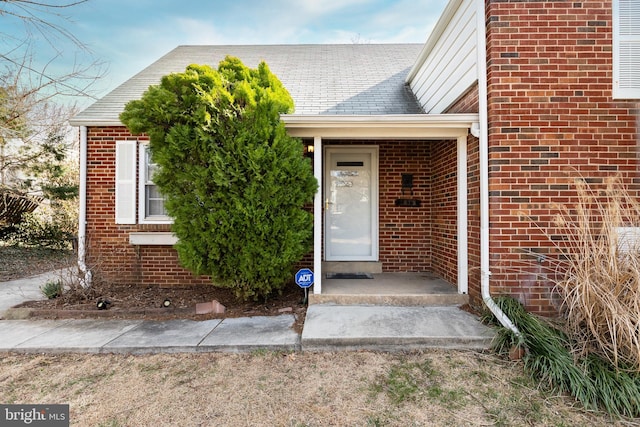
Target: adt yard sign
[[304, 278]]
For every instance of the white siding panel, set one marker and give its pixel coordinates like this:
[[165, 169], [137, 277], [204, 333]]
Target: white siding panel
[[449, 69]]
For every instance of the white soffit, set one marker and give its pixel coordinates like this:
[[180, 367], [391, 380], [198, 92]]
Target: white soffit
[[403, 126]]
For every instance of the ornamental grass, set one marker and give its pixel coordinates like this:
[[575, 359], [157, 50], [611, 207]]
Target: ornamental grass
[[600, 287], [593, 350]]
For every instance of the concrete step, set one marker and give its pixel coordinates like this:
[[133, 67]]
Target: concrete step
[[391, 328], [408, 300]]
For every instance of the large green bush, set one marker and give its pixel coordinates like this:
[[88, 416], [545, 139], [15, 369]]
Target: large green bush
[[235, 183]]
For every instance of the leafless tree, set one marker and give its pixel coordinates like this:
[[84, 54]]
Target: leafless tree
[[35, 100], [38, 94]]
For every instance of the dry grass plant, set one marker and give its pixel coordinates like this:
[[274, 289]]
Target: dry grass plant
[[600, 288]]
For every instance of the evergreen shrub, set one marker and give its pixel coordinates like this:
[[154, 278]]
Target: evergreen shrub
[[235, 183]]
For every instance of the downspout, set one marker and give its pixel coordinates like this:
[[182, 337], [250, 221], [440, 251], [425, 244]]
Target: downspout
[[85, 273], [483, 135]]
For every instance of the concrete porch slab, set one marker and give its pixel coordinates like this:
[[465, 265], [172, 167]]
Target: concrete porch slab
[[399, 289], [392, 328]]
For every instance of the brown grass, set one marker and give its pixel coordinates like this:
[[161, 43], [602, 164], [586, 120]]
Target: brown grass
[[601, 283], [289, 389]]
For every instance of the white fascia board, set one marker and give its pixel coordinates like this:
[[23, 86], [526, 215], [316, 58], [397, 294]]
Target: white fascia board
[[405, 126], [442, 24], [95, 122]]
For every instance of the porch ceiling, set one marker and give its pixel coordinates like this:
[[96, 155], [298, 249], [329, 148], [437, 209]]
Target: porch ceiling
[[401, 126]]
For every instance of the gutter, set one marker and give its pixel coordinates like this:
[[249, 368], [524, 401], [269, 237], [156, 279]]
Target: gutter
[[483, 135], [85, 273]]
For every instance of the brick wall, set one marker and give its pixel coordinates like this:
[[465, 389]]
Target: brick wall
[[406, 239], [467, 103], [473, 223], [551, 119], [405, 232], [444, 202], [109, 254]]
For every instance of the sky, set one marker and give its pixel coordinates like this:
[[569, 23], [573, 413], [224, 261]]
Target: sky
[[125, 36]]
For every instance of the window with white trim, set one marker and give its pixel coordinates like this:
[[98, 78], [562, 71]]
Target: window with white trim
[[626, 49], [151, 208]]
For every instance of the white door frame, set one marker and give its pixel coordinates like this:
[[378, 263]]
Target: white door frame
[[375, 220], [463, 214]]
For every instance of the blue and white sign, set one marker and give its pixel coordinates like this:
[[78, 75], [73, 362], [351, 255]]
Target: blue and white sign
[[304, 278]]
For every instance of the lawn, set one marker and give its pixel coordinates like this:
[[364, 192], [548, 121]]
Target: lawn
[[434, 388]]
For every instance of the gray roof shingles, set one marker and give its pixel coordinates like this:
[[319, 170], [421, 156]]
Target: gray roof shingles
[[355, 79]]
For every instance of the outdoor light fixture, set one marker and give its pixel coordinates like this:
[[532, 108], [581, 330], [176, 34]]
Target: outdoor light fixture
[[310, 149], [166, 303], [407, 182], [103, 304]]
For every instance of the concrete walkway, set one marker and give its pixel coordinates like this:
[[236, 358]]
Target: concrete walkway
[[16, 291], [327, 328]]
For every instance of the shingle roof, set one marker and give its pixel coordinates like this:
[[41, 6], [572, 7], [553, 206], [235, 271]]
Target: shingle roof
[[355, 79]]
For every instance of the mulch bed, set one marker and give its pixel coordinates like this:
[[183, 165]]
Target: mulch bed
[[135, 301], [146, 302]]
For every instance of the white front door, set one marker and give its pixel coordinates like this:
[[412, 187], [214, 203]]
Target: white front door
[[351, 204]]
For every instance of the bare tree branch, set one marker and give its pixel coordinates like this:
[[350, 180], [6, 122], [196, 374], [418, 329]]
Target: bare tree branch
[[34, 130], [41, 16]]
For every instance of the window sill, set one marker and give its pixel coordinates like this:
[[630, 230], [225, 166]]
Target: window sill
[[156, 220], [153, 238]]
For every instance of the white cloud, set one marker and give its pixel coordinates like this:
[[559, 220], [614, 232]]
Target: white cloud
[[315, 8]]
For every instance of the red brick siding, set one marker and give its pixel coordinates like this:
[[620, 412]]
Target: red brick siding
[[444, 202], [473, 222], [405, 232], [424, 238], [109, 254], [406, 240], [467, 103], [551, 118]]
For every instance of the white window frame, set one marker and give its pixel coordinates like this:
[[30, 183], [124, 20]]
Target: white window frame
[[626, 84], [143, 218]]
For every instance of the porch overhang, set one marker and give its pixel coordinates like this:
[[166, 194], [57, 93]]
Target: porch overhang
[[398, 126]]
